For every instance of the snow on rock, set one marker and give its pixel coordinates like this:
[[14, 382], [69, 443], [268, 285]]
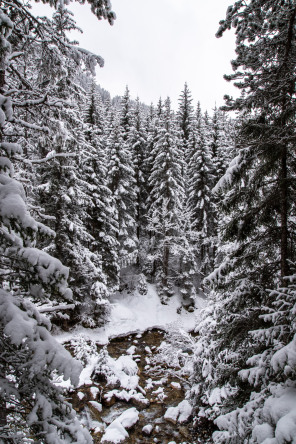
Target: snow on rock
[[185, 411], [176, 385], [126, 396], [160, 393], [127, 365], [96, 405], [80, 395], [147, 429], [129, 418], [172, 414], [123, 371], [131, 350], [94, 392], [116, 431], [85, 376], [180, 413]]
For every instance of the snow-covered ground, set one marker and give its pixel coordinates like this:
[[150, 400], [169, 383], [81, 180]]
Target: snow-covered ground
[[133, 312]]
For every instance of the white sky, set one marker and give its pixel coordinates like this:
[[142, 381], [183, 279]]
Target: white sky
[[155, 46]]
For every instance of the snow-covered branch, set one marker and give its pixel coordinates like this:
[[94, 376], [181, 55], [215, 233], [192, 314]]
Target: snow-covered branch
[[60, 307]]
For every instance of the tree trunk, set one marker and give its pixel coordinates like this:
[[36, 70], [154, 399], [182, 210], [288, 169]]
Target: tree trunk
[[165, 265]]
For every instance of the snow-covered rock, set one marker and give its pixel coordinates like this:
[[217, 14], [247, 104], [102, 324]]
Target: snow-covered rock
[[124, 395], [129, 418], [185, 410], [80, 395], [172, 414], [94, 392], [180, 413], [116, 432], [131, 350], [176, 385], [96, 405], [127, 365], [147, 429]]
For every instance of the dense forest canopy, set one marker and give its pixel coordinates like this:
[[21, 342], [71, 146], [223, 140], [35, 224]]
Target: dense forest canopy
[[197, 204]]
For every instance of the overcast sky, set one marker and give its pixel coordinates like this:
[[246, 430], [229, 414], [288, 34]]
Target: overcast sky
[[155, 46]]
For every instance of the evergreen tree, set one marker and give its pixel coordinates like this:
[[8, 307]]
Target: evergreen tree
[[121, 181], [65, 193], [257, 201], [270, 128], [271, 375], [167, 198], [200, 198], [93, 111], [125, 115], [29, 356], [219, 144], [185, 117], [101, 221], [138, 144], [159, 108]]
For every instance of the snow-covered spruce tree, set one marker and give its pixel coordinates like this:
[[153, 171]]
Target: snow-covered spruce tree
[[65, 192], [31, 405], [185, 112], [151, 130], [121, 181], [125, 114], [101, 220], [220, 144], [94, 112], [152, 124], [188, 265], [166, 202], [137, 140], [160, 108], [184, 118], [257, 233], [269, 413], [200, 197]]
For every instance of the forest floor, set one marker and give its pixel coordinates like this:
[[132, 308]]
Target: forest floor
[[136, 373]]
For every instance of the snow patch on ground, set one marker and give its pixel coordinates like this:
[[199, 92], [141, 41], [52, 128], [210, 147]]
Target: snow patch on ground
[[133, 312]]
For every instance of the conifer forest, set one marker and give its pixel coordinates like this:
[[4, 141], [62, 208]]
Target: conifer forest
[[147, 255]]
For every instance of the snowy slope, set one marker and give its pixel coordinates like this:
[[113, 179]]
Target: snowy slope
[[134, 312]]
